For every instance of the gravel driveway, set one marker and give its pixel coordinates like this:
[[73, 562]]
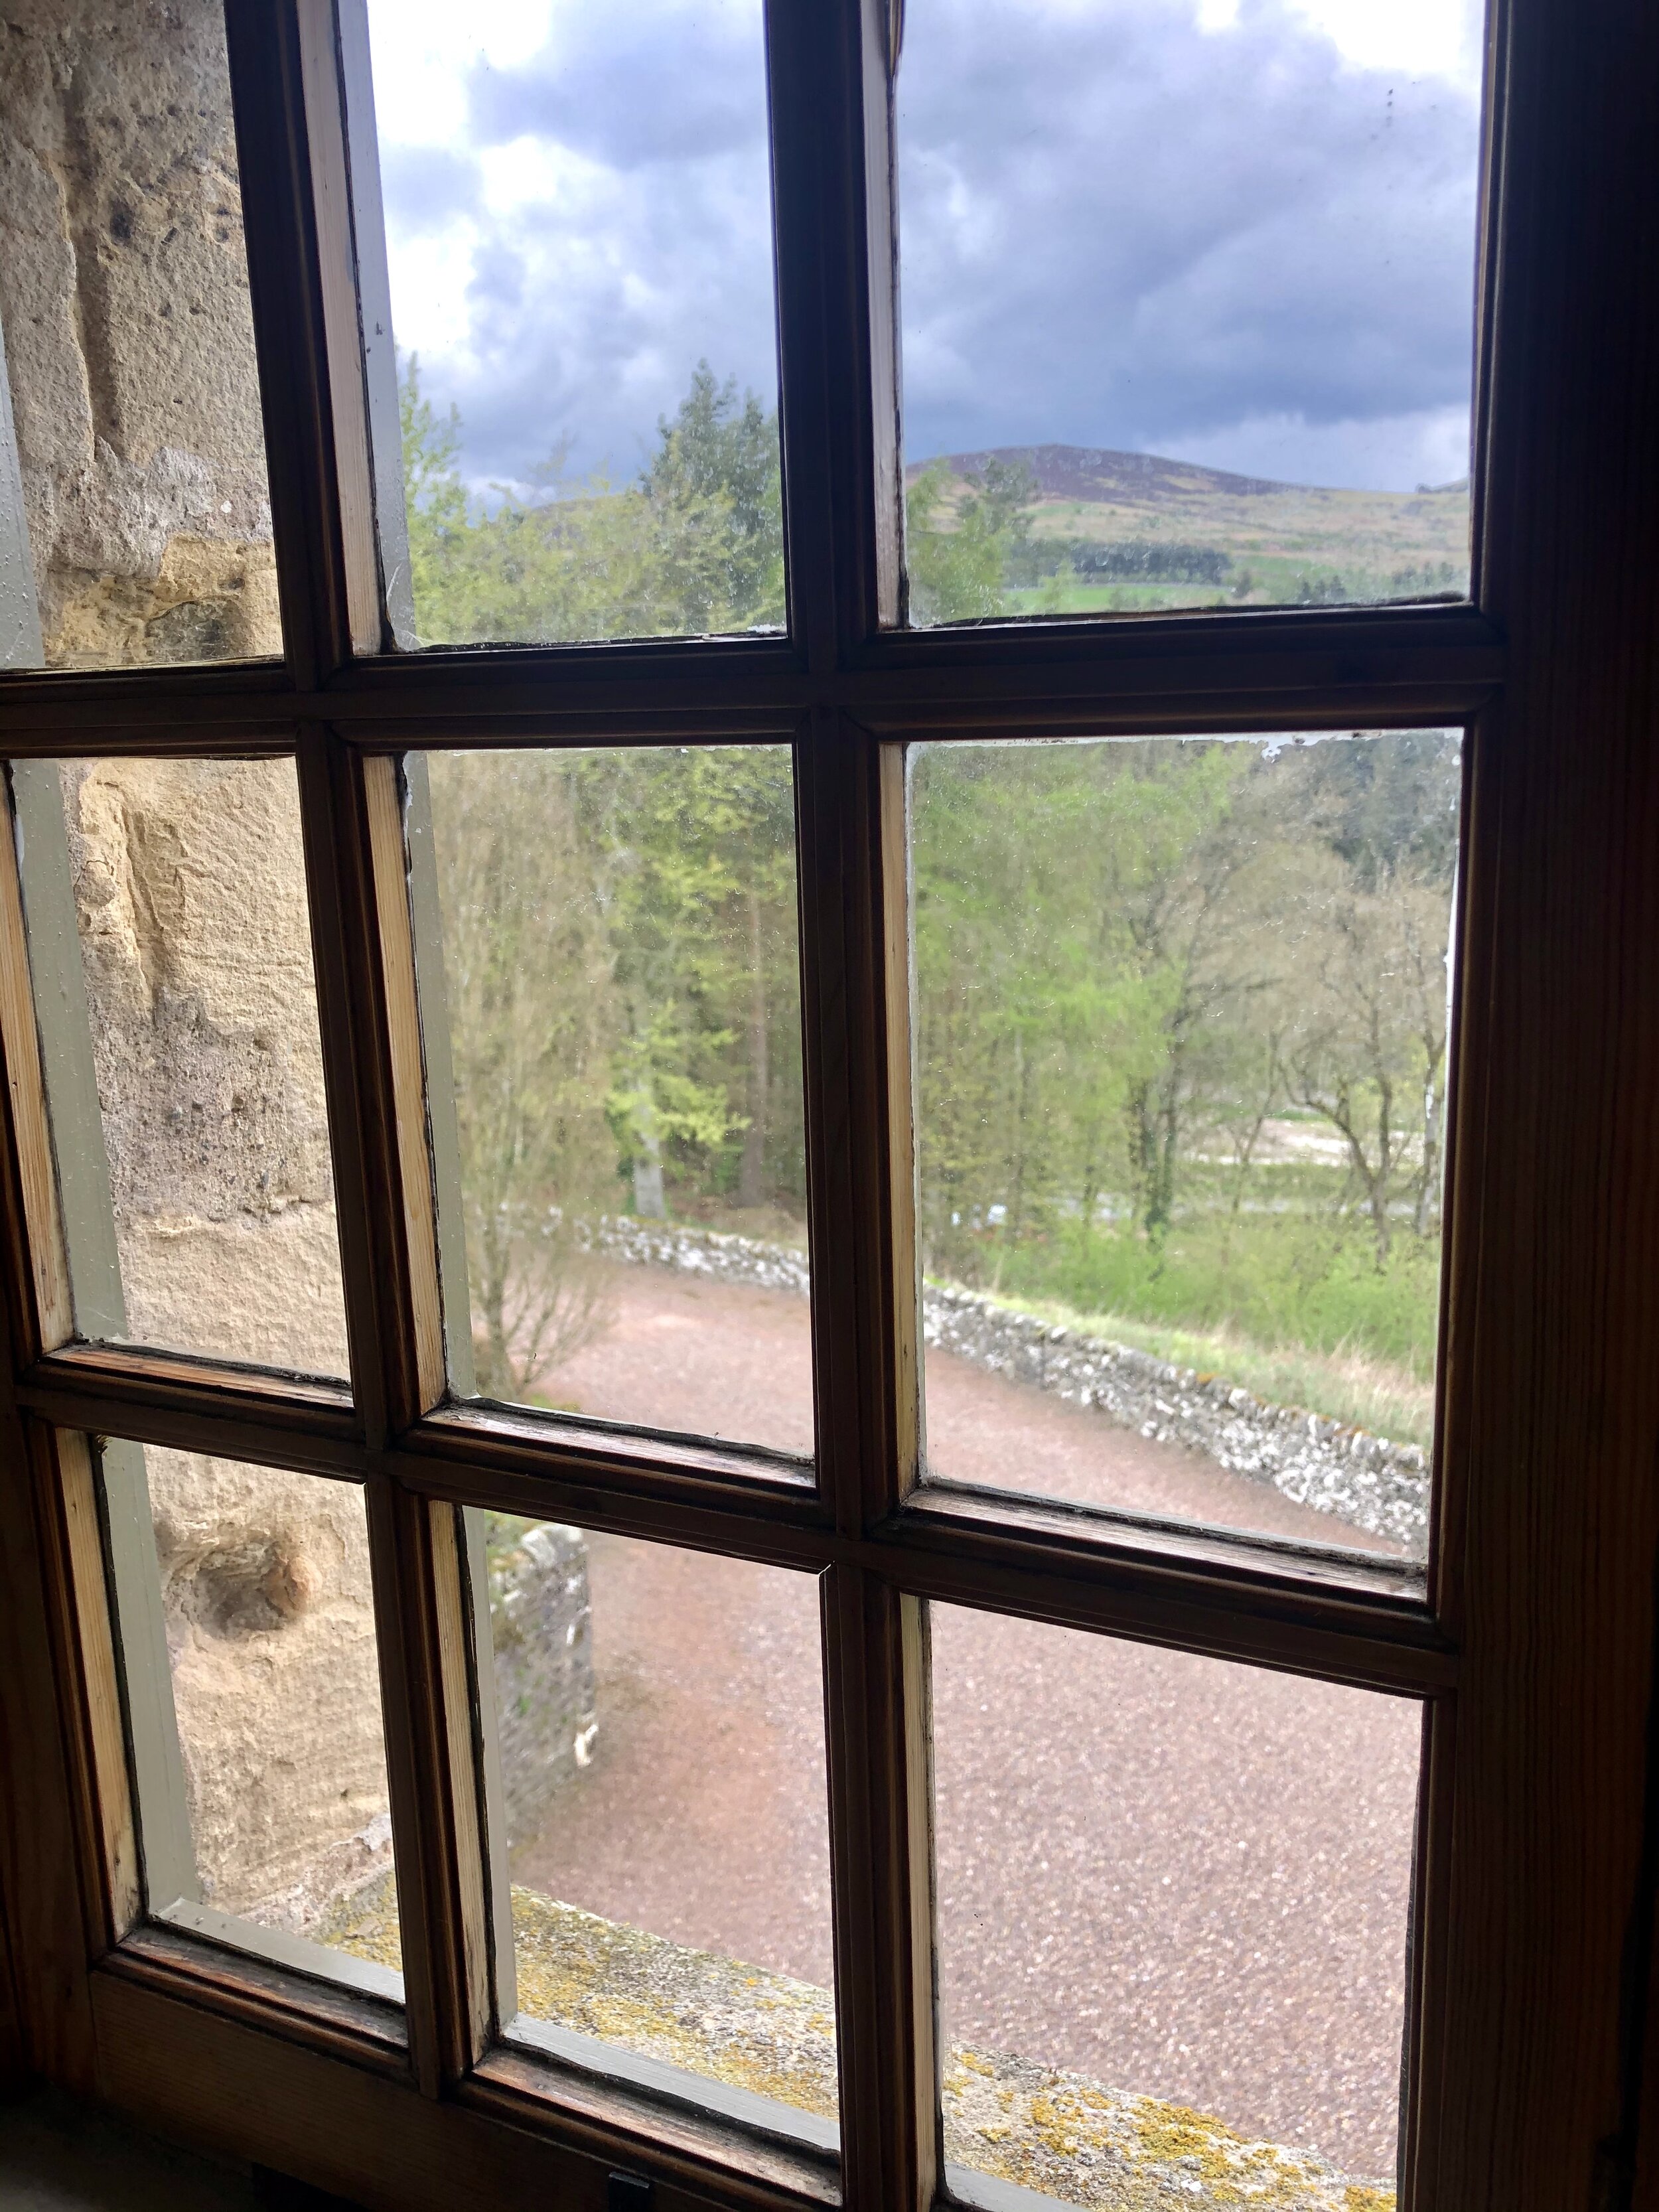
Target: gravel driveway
[[1178, 1876]]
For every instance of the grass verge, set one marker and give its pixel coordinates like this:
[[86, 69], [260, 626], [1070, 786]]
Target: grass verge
[[1351, 1387]]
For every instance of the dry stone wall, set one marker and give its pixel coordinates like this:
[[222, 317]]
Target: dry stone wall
[[1364, 1481], [541, 1625]]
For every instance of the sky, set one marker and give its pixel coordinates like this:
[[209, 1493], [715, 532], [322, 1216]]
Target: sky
[[1238, 232]]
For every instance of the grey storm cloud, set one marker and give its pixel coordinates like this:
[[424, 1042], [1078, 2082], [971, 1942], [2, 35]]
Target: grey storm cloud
[[644, 87], [1117, 229]]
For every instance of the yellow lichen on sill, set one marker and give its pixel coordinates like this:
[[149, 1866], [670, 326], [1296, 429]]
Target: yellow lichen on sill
[[1057, 2133], [1108, 2150]]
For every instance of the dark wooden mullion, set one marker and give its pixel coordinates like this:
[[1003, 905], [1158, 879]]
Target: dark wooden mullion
[[436, 1841], [47, 1910], [861, 1182], [1346, 1621], [1324, 663], [876, 1734], [286, 281], [838, 409], [1554, 1387], [430, 1691], [859, 1175], [389, 1270], [356, 1067], [359, 502]]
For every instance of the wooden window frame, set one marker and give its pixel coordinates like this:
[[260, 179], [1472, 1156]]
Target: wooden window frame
[[1530, 1643]]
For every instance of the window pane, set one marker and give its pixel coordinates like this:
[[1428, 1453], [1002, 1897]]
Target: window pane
[[1188, 303], [253, 1696], [659, 1777], [610, 967], [170, 946], [578, 215], [1182, 1014], [1172, 1922], [135, 511]]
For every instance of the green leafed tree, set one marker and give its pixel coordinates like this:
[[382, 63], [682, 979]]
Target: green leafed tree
[[693, 544], [962, 537]]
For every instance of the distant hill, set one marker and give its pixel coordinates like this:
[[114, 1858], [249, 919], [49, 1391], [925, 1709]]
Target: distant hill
[[1118, 530], [1096, 472]]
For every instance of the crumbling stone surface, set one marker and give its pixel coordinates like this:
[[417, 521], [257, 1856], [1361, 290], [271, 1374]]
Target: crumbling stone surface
[[1040, 2127], [123, 302], [1064, 2135], [190, 889], [270, 1635]]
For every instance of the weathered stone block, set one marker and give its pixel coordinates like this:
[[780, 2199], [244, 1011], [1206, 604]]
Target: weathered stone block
[[123, 301]]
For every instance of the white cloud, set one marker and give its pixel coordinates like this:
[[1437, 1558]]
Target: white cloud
[[423, 49], [1419, 37], [431, 276]]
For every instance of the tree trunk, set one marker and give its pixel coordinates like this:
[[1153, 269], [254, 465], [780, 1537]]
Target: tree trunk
[[1143, 1151], [752, 1172], [647, 1174]]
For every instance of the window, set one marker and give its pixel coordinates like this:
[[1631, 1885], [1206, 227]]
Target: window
[[814, 1397], [1188, 308]]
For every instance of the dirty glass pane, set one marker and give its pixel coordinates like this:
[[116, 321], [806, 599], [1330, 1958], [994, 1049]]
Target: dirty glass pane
[[610, 997], [135, 510], [253, 1701], [1172, 1898], [170, 950], [1188, 303], [657, 1773], [1182, 1017], [578, 219]]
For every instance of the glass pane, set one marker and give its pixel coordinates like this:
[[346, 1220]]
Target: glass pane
[[254, 1695], [579, 227], [135, 510], [170, 946], [1182, 1017], [1172, 1922], [1188, 303], [610, 966], [659, 1776]]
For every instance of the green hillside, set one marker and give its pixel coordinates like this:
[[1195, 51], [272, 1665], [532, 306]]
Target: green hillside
[[1079, 530]]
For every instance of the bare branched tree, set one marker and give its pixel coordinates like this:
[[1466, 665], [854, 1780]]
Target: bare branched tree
[[532, 1018], [1366, 1049]]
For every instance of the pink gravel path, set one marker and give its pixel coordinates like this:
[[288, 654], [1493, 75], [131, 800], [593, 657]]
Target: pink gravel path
[[1178, 1876]]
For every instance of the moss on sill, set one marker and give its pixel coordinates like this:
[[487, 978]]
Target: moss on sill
[[1058, 2133]]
